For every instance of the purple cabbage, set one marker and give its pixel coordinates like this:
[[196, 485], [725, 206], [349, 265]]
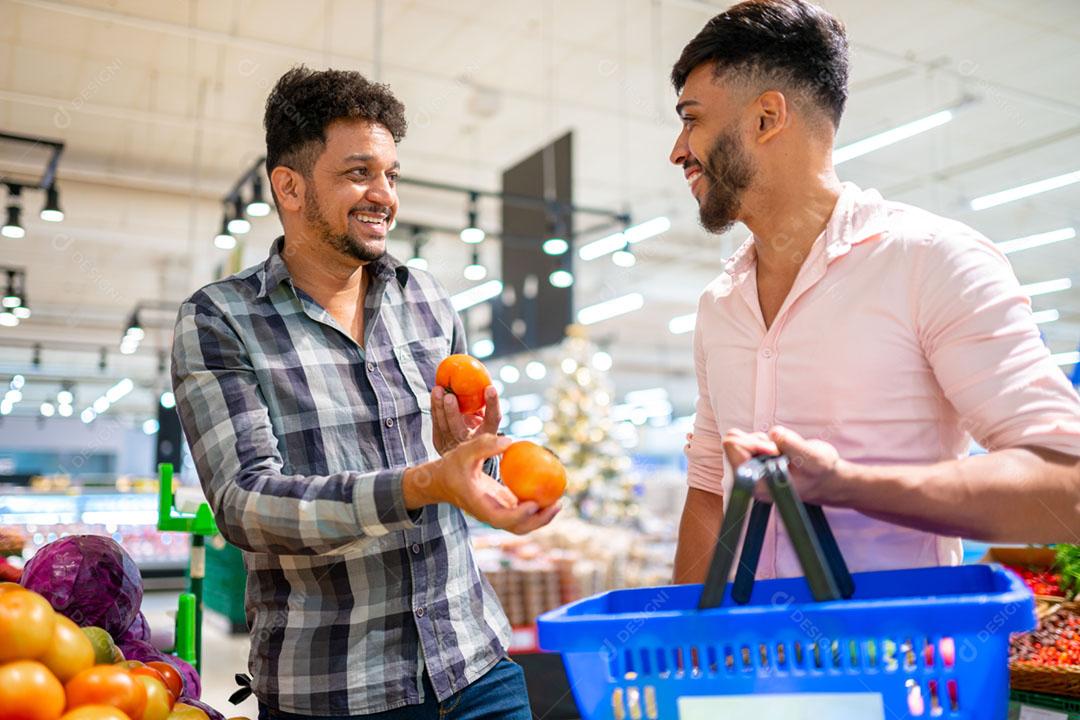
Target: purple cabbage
[[88, 578], [139, 630]]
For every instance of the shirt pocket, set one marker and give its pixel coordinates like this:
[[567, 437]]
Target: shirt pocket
[[417, 361]]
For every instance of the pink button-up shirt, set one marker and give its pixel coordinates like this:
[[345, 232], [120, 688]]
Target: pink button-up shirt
[[904, 336]]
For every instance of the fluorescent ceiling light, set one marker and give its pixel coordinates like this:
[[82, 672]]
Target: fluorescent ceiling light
[[682, 324], [476, 294], [1066, 358], [1022, 191], [1038, 240], [890, 137], [1045, 316], [483, 348], [617, 241], [647, 229], [610, 308], [119, 390], [603, 246], [1047, 286]]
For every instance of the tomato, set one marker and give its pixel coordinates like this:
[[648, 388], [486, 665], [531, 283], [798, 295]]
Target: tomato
[[533, 473], [146, 671], [159, 701], [28, 691], [170, 675], [107, 685], [467, 379], [187, 712], [26, 625], [70, 652], [95, 712]]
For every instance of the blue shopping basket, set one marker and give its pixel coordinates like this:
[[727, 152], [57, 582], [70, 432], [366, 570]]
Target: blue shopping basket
[[918, 643]]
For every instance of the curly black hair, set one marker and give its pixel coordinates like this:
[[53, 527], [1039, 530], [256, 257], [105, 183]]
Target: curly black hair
[[790, 42], [305, 101]]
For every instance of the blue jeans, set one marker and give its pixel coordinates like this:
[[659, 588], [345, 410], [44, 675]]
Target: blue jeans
[[498, 695]]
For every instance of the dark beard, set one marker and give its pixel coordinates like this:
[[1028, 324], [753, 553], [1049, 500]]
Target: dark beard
[[728, 170], [343, 243]]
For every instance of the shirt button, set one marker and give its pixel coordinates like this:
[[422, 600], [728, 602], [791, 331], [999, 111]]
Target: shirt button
[[419, 612], [416, 548], [767, 352], [371, 367], [389, 422]]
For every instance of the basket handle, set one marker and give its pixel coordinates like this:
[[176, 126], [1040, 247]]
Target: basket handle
[[815, 545]]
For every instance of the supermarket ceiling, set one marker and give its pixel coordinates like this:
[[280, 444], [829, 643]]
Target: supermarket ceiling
[[159, 104]]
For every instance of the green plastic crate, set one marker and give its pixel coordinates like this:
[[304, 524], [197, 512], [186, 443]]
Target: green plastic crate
[[1069, 707], [226, 582]]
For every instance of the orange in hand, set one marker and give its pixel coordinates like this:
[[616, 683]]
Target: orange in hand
[[533, 473], [465, 377]]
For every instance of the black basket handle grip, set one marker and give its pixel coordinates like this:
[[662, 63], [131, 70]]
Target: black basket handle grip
[[815, 545]]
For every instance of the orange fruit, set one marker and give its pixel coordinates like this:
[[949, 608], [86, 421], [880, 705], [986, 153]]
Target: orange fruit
[[533, 473], [465, 377]]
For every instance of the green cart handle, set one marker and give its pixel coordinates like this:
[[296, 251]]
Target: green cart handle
[[189, 615]]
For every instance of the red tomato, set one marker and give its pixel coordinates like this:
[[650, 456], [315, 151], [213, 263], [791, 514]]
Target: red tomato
[[107, 685], [170, 675], [28, 691]]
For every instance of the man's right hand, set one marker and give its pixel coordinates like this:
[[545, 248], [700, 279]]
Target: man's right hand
[[458, 478]]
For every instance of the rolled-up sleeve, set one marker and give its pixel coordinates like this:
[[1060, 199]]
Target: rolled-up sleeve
[[228, 428], [705, 453], [977, 331]]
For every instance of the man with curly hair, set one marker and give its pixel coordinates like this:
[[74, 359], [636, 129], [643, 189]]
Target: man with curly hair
[[305, 389]]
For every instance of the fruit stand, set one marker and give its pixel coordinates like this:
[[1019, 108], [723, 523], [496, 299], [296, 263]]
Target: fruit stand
[[1044, 665]]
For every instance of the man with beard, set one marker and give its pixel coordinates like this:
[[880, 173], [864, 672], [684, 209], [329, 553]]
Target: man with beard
[[888, 336], [304, 386]]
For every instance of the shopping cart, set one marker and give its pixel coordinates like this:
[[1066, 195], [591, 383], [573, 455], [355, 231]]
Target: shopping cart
[[831, 646]]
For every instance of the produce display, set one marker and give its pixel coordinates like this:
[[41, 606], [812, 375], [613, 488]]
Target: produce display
[[1048, 659], [1056, 642], [73, 643], [568, 560]]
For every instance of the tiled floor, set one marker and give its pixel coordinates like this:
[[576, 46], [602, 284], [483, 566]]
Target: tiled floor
[[224, 654]]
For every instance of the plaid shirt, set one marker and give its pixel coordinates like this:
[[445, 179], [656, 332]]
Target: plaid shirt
[[300, 438]]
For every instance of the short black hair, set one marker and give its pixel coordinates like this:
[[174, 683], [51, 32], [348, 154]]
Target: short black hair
[[304, 102], [788, 41]]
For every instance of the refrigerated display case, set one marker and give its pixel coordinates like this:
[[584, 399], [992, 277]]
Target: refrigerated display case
[[122, 508]]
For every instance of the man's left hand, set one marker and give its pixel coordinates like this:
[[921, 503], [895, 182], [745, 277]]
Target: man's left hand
[[815, 465], [451, 427]]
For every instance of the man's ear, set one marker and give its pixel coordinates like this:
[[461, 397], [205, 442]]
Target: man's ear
[[289, 187], [772, 115]]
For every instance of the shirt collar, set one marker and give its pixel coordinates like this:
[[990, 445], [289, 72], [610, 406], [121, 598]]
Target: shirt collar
[[275, 271], [859, 215]]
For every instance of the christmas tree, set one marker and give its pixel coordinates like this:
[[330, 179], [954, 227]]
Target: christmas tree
[[600, 487]]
